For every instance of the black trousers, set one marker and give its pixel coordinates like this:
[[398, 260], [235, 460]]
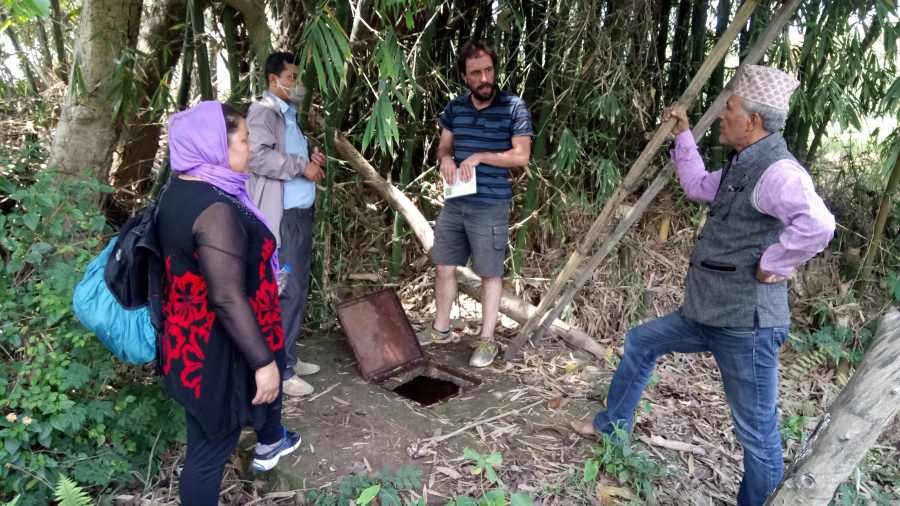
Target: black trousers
[[295, 253], [204, 463]]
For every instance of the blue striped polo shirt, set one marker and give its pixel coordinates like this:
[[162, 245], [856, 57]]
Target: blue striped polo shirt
[[487, 130]]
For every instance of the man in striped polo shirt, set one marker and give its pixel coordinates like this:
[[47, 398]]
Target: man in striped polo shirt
[[484, 133]]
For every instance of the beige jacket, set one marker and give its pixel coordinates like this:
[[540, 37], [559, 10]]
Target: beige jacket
[[270, 166]]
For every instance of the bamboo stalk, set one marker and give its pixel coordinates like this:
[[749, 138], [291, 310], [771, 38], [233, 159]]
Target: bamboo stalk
[[633, 177], [229, 26], [881, 219], [200, 52], [756, 52], [187, 64], [59, 39]]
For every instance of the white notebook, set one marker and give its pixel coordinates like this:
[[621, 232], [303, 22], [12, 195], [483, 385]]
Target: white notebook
[[460, 188]]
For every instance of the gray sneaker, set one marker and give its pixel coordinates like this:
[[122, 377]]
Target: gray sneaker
[[484, 354]]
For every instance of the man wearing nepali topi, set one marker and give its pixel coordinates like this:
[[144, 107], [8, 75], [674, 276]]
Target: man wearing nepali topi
[[765, 219]]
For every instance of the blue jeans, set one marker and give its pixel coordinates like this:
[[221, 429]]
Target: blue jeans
[[748, 361]]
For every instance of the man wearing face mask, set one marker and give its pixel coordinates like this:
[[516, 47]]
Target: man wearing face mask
[[485, 132], [283, 186]]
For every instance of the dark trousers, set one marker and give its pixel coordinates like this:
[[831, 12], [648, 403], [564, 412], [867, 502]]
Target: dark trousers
[[295, 253], [204, 463]]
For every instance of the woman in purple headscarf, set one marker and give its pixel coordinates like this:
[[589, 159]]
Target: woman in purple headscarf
[[222, 342]]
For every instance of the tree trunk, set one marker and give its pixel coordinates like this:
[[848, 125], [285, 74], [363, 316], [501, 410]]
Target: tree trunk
[[44, 42], [851, 426], [23, 58], [254, 13], [199, 30], [723, 14], [759, 20], [698, 34], [616, 24], [59, 40], [87, 131], [229, 26], [681, 51], [141, 142], [662, 42], [187, 64]]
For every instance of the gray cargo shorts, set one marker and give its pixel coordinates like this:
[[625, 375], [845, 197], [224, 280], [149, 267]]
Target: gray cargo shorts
[[480, 231]]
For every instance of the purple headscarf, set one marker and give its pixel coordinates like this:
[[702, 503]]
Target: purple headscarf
[[198, 147]]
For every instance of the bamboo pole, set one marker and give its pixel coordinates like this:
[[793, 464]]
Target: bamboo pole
[[861, 412], [884, 210], [632, 178], [756, 52], [200, 53]]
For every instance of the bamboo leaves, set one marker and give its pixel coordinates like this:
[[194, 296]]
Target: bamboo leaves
[[394, 83], [567, 152], [327, 49], [382, 124], [27, 9]]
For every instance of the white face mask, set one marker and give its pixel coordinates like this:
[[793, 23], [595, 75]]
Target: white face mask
[[295, 94]]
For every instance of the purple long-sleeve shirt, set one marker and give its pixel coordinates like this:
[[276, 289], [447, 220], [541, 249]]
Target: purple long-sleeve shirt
[[784, 191]]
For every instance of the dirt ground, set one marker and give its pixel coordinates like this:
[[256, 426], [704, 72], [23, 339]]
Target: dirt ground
[[352, 426]]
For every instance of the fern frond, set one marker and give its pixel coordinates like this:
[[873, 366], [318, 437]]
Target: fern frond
[[69, 493]]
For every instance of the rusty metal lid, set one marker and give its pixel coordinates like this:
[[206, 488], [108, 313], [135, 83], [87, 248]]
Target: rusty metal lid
[[380, 334]]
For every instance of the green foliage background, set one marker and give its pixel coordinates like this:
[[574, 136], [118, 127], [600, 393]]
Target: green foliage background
[[68, 406]]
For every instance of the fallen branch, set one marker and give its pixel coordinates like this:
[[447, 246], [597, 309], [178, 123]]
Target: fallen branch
[[673, 445], [861, 412]]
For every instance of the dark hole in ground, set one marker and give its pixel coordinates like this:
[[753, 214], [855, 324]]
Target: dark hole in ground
[[427, 391]]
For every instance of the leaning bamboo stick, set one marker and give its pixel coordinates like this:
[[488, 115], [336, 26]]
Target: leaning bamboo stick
[[633, 177], [781, 18]]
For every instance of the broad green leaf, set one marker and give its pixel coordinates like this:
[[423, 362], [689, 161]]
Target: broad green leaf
[[366, 496], [520, 499], [591, 469], [31, 221]]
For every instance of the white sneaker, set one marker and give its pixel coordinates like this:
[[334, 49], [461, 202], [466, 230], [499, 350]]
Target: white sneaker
[[305, 368], [296, 387], [267, 460]]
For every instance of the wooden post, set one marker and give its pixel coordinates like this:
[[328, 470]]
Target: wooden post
[[632, 178], [756, 53], [853, 423]]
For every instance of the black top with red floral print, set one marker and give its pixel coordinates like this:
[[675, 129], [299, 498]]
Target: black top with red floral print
[[221, 316]]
